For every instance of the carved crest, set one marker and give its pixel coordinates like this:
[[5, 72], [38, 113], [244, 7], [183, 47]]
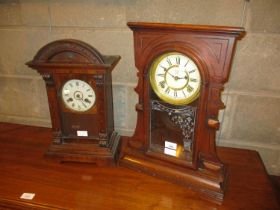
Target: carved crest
[[68, 51]]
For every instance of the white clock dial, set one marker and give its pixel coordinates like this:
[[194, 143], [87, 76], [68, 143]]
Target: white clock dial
[[175, 78], [78, 95]]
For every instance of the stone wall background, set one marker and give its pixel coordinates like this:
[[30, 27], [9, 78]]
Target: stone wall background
[[252, 96]]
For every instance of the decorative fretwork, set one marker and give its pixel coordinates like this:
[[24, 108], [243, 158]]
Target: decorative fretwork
[[182, 117]]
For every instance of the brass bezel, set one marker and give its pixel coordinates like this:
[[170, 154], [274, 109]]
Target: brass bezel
[[164, 97]]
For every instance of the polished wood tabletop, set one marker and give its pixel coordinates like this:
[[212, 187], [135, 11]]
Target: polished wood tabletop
[[25, 169]]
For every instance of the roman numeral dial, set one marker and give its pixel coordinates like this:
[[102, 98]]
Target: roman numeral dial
[[78, 95], [175, 78]]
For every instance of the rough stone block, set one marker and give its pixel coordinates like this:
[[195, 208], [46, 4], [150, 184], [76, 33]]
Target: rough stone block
[[19, 46], [35, 13], [218, 12], [10, 13], [120, 106], [88, 13], [24, 12], [125, 99], [264, 16], [23, 98], [252, 120], [256, 64]]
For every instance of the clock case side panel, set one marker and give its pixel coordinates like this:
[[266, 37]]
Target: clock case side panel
[[53, 107], [207, 175], [78, 59]]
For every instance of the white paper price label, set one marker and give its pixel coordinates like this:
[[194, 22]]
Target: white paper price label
[[170, 145], [170, 151], [27, 196], [82, 133]]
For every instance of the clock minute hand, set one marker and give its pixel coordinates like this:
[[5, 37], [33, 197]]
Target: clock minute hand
[[83, 103], [171, 75], [81, 100]]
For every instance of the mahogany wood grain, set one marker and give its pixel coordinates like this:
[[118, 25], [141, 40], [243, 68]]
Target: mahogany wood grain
[[59, 62], [211, 48], [276, 184], [24, 168]]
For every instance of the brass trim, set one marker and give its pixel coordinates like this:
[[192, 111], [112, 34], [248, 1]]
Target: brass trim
[[164, 97]]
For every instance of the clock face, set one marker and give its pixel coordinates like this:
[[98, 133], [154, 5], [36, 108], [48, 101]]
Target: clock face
[[175, 78], [78, 95]]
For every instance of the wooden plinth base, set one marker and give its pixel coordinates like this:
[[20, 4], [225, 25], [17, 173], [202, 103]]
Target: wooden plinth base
[[209, 185], [87, 153]]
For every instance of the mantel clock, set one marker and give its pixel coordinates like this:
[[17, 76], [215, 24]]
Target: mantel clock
[[79, 87], [181, 73]]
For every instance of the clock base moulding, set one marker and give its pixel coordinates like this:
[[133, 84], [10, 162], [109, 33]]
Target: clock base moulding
[[209, 180], [101, 155]]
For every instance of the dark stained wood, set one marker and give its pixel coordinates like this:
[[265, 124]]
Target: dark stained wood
[[60, 61], [211, 48], [276, 184], [24, 168], [188, 27]]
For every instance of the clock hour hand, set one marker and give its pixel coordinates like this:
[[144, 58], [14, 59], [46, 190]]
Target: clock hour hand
[[69, 100], [87, 101], [176, 77]]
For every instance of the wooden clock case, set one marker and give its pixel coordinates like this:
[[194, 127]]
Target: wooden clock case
[[212, 48], [60, 61]]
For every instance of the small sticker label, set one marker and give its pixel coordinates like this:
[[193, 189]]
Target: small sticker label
[[27, 196], [170, 145], [171, 152], [82, 133]]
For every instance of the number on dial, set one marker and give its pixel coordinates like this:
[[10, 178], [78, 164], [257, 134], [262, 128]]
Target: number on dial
[[175, 78], [78, 95]]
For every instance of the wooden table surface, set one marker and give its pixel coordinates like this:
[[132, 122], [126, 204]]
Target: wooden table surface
[[84, 186]]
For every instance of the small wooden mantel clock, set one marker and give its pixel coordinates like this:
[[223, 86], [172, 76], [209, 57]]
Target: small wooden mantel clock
[[79, 87], [181, 73]]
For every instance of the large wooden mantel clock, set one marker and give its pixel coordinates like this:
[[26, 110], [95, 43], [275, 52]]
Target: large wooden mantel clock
[[181, 73], [79, 87]]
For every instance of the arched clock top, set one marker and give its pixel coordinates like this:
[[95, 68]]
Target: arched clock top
[[72, 56], [69, 51]]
